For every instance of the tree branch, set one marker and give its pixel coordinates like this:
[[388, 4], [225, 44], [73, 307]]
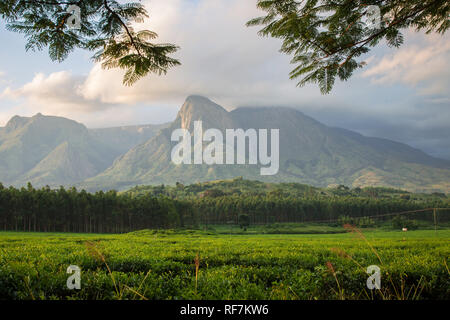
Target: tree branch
[[133, 43], [392, 24]]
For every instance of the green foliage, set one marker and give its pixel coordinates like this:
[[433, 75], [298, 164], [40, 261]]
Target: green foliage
[[405, 196], [230, 187], [326, 37], [46, 209], [29, 209], [362, 222], [105, 27], [219, 202], [244, 221], [213, 193], [400, 222], [160, 265]]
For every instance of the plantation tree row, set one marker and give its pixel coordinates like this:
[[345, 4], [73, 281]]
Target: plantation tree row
[[61, 210], [29, 209], [269, 209]]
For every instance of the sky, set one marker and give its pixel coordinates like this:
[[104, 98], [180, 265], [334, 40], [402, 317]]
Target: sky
[[402, 94]]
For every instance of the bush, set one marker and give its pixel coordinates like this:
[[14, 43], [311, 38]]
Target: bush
[[400, 222], [244, 221], [363, 222]]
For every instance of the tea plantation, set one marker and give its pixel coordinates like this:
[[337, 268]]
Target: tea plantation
[[188, 264]]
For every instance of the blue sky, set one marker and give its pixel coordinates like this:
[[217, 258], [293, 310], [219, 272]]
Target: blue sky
[[403, 94]]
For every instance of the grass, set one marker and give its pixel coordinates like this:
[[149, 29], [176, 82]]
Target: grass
[[192, 264], [311, 228], [277, 228]]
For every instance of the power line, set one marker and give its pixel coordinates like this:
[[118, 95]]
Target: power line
[[381, 215]]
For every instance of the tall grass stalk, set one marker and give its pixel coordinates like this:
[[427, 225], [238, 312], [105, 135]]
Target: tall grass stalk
[[399, 293], [98, 255], [197, 266]]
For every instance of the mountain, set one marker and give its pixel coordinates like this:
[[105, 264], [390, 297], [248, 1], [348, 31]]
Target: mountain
[[124, 138], [310, 153], [54, 151]]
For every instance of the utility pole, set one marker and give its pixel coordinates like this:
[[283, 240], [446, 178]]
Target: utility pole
[[434, 215]]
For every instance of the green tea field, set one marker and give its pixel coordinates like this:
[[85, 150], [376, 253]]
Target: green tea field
[[206, 265]]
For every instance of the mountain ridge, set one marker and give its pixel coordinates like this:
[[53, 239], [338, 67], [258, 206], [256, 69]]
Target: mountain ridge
[[310, 152], [54, 151]]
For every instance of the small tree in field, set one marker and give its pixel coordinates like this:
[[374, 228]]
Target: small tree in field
[[244, 221]]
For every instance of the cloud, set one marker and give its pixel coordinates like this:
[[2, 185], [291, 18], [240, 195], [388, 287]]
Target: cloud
[[402, 95], [3, 80], [422, 63], [226, 61], [220, 56], [56, 93]]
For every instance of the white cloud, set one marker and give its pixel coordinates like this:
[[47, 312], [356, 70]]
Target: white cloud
[[220, 56], [405, 88], [55, 94], [3, 81], [422, 63], [224, 60]]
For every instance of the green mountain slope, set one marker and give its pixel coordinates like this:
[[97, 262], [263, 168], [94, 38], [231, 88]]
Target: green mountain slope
[[310, 153], [124, 138], [64, 165], [54, 151]]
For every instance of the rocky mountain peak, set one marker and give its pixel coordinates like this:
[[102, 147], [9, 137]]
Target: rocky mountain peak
[[16, 122], [197, 108]]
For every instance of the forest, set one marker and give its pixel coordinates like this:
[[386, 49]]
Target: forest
[[161, 207]]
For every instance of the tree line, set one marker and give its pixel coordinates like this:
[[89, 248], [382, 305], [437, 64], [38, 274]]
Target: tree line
[[61, 210], [70, 210], [271, 208]]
